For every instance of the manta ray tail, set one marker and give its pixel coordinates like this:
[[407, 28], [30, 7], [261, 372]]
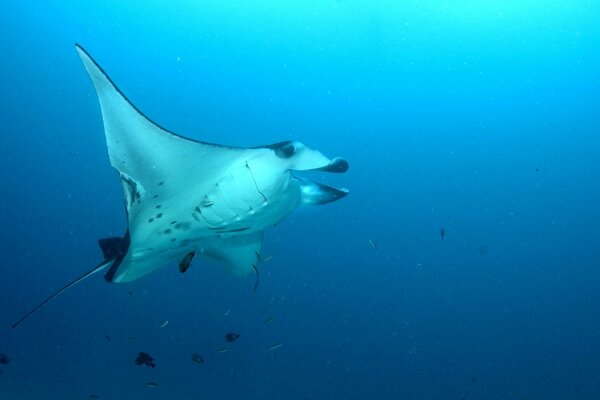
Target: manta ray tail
[[105, 263]]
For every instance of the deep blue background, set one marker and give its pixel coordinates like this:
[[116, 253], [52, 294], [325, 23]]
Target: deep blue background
[[482, 119]]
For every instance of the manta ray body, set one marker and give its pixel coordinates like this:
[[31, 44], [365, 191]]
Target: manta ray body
[[187, 198]]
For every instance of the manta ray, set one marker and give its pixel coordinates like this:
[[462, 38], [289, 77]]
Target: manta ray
[[186, 198]]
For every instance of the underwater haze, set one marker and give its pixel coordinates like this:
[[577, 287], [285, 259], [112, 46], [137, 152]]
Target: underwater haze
[[464, 263]]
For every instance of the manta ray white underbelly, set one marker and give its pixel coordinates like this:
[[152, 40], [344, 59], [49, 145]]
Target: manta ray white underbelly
[[187, 198]]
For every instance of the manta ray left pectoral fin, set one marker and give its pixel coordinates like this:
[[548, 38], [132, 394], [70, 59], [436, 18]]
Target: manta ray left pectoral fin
[[145, 154], [104, 264]]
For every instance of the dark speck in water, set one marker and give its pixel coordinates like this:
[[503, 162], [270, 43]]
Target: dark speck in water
[[230, 337], [145, 359]]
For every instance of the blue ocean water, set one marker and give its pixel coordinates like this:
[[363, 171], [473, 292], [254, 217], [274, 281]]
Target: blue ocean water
[[479, 119]]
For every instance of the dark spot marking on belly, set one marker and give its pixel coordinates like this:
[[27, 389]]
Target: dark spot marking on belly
[[174, 239], [161, 183], [173, 222], [159, 215], [158, 206], [184, 226], [150, 220], [155, 196], [167, 231]]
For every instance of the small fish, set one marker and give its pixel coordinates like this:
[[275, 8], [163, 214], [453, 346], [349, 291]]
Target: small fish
[[152, 385], [275, 346], [197, 358], [442, 233], [165, 324], [145, 359], [227, 312], [187, 260], [269, 319], [222, 350], [4, 359], [372, 243], [230, 337]]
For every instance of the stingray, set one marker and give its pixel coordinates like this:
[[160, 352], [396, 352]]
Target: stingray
[[185, 197]]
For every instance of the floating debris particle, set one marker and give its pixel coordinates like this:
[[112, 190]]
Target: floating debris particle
[[165, 324], [372, 243], [4, 359], [107, 338], [222, 350], [442, 233], [94, 396], [484, 250], [230, 337], [197, 358], [145, 359], [270, 319], [226, 313], [267, 258], [152, 385], [275, 346]]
